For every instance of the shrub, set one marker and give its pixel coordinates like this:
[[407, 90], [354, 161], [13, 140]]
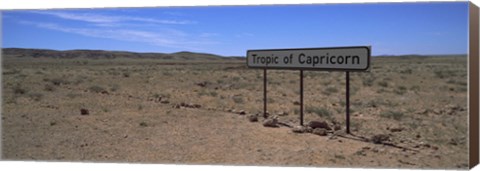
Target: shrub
[[383, 83], [392, 115], [401, 90], [319, 111], [368, 81], [49, 87], [238, 99], [58, 81], [19, 90], [143, 124], [331, 89], [96, 89], [114, 87], [36, 96], [72, 95], [213, 93]]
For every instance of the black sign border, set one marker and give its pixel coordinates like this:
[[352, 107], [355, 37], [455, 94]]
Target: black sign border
[[318, 69]]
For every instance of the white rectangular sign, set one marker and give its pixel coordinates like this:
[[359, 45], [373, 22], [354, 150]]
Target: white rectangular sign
[[355, 58]]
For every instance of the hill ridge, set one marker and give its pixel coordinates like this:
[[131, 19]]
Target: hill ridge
[[105, 54]]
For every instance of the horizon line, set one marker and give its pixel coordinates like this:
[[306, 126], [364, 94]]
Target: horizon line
[[382, 55]]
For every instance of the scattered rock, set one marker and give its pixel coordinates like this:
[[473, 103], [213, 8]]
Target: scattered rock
[[189, 105], [396, 129], [379, 138], [203, 84], [319, 124], [424, 111], [320, 131], [437, 111], [84, 112], [308, 129], [299, 129], [453, 142], [282, 114], [271, 122], [242, 112], [337, 127], [253, 118]]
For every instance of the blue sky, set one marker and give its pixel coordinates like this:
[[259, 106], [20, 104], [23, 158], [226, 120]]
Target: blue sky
[[390, 28]]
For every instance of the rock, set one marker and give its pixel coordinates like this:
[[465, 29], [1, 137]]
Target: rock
[[177, 106], [296, 103], [282, 114], [319, 124], [271, 122], [242, 112], [164, 101], [453, 142], [379, 138], [203, 84], [308, 129], [320, 131], [84, 112], [366, 148], [253, 118], [397, 129], [299, 129], [424, 111], [197, 106], [337, 127]]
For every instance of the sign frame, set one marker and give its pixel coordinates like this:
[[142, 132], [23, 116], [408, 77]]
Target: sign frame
[[368, 48]]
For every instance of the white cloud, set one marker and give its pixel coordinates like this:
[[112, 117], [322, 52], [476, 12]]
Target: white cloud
[[242, 35], [163, 38], [208, 34], [108, 19]]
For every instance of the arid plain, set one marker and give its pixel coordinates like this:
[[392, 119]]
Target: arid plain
[[407, 112]]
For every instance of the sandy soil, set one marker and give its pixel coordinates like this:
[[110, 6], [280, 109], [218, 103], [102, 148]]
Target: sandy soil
[[420, 104]]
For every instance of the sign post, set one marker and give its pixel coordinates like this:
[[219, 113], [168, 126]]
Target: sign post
[[265, 93], [347, 99], [356, 58], [301, 97]]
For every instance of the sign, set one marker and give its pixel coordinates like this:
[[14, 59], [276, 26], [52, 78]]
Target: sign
[[356, 58]]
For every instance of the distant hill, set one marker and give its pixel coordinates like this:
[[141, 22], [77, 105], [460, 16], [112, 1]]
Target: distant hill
[[101, 54]]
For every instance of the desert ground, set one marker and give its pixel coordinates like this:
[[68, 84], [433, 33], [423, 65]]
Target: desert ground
[[199, 111]]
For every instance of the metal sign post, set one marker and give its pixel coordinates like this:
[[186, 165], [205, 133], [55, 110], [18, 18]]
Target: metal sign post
[[265, 93], [301, 97], [347, 94]]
